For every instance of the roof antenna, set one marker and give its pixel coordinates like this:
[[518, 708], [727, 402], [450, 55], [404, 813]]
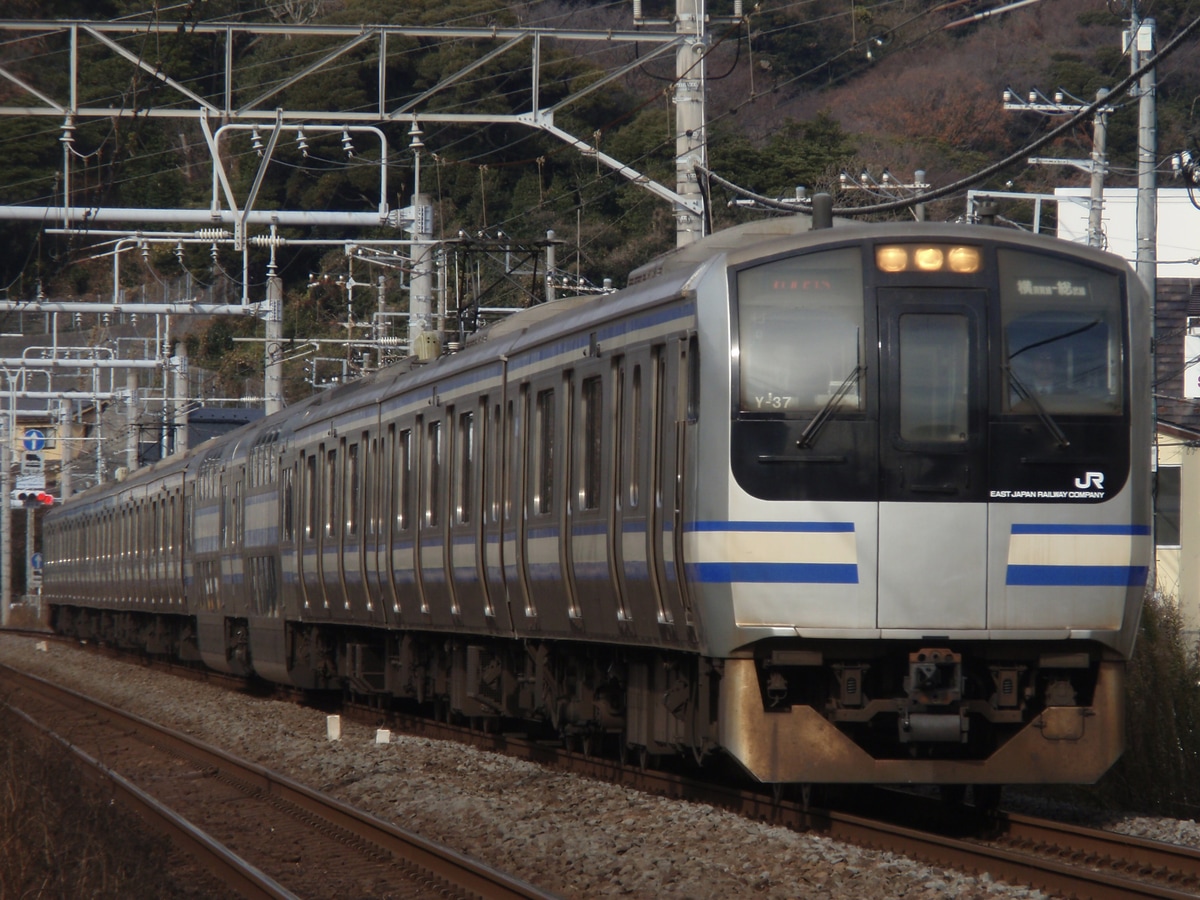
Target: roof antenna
[[822, 211]]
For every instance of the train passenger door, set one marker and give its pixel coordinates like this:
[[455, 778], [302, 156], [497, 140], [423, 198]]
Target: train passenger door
[[668, 442], [432, 530], [516, 511], [616, 497], [333, 500], [465, 548], [310, 557], [933, 462], [373, 527], [495, 456]]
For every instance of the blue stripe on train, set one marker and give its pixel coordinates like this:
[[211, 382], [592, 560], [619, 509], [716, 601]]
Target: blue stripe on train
[[1038, 528], [1077, 576], [776, 573]]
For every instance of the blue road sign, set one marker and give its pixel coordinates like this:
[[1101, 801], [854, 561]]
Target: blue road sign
[[36, 561], [34, 440]]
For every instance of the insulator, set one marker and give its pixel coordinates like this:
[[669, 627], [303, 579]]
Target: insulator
[[212, 234], [267, 240]]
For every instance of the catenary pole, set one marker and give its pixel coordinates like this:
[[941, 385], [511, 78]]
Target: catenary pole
[[689, 119], [1099, 170], [1141, 46]]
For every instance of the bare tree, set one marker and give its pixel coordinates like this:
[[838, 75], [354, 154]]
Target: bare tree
[[301, 12]]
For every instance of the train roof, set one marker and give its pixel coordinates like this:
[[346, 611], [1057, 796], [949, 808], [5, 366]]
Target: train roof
[[672, 273]]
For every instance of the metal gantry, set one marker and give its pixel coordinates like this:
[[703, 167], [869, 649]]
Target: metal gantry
[[237, 105], [233, 104]]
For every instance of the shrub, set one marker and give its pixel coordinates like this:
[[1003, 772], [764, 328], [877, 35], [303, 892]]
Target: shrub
[[1160, 770]]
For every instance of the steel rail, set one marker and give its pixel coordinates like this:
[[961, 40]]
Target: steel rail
[[233, 871], [1108, 865], [453, 867], [1013, 865]]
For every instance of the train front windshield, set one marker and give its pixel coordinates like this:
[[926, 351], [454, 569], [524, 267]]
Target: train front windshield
[[802, 334], [857, 367], [1062, 336]]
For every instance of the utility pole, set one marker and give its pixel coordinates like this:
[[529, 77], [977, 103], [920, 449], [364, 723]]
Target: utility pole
[[1099, 169], [689, 119], [273, 380], [273, 364], [423, 341], [1096, 166], [131, 420], [1140, 45]]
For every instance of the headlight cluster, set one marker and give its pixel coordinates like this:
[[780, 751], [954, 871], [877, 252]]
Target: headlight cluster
[[894, 258]]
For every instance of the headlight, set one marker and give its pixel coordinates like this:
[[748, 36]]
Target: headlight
[[895, 258]]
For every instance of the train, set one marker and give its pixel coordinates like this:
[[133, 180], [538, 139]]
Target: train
[[868, 503]]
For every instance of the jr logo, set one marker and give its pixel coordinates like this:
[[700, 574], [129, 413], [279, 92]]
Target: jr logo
[[1090, 480]]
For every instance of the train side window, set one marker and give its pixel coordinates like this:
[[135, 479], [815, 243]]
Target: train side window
[[224, 514], [658, 390], [494, 450], [800, 334], [388, 476], [310, 497], [329, 493], [239, 514], [189, 512], [693, 378], [513, 425], [593, 432], [403, 498], [287, 499], [620, 451], [464, 494], [353, 489], [263, 586], [635, 446], [370, 501], [433, 484], [542, 481]]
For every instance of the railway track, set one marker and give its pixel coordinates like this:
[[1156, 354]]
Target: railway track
[[261, 834], [1060, 859]]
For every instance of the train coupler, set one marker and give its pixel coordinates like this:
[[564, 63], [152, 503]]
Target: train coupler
[[928, 728]]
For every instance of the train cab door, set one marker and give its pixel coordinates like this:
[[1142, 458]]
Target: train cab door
[[932, 566]]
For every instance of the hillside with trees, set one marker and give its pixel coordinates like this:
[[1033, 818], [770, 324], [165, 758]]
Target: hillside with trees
[[798, 93]]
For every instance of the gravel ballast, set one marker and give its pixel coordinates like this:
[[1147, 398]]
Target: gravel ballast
[[577, 837]]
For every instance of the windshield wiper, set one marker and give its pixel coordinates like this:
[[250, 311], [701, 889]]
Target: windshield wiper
[[1047, 420], [823, 415]]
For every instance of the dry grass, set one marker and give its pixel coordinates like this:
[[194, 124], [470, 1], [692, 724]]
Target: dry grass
[[62, 837]]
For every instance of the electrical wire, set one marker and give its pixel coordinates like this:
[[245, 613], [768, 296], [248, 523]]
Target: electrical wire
[[987, 171]]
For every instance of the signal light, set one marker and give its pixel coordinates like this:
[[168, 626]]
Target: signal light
[[32, 499]]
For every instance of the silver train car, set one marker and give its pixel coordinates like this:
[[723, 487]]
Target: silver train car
[[860, 504]]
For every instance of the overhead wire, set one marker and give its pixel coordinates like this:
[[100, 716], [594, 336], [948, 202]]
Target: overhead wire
[[962, 183]]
